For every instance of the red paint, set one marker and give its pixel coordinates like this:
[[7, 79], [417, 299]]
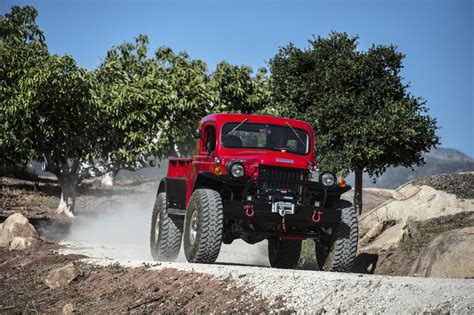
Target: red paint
[[249, 210], [202, 161], [318, 218], [294, 238]]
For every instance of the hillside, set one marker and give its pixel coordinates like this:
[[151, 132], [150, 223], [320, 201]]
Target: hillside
[[439, 161]]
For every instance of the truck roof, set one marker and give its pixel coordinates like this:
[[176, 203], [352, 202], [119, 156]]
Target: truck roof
[[222, 118]]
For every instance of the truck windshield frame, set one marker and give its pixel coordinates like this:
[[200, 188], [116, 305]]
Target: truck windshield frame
[[261, 136]]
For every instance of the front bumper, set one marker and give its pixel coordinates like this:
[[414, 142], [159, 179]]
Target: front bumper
[[260, 213]]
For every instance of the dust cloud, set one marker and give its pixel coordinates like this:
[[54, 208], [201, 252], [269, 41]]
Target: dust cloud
[[115, 223]]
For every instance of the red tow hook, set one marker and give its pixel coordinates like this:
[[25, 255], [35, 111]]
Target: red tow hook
[[249, 210], [318, 218]]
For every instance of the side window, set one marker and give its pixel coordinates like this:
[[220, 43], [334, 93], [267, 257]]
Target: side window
[[209, 143]]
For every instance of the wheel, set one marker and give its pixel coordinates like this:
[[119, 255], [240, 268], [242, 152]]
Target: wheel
[[165, 236], [283, 253], [203, 226], [337, 250]]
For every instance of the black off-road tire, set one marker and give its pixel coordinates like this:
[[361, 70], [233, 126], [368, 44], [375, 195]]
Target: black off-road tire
[[203, 223], [337, 252], [284, 253], [165, 236]]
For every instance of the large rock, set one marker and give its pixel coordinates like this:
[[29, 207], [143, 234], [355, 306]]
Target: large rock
[[419, 202], [61, 277], [17, 226], [389, 239], [20, 243], [450, 255], [372, 233]]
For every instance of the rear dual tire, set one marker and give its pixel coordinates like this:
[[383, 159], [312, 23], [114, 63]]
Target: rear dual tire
[[165, 235]]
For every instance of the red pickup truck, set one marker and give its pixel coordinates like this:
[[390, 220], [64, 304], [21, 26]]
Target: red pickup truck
[[251, 178]]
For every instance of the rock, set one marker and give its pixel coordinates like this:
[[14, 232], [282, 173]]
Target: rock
[[420, 202], [449, 255], [16, 225], [107, 180], [405, 192], [412, 228], [389, 239], [68, 309], [372, 233], [61, 277], [20, 243]]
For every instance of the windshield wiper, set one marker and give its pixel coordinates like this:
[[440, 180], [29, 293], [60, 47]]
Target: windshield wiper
[[296, 134], [237, 127]]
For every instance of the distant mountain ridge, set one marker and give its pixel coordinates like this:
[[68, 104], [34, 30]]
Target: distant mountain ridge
[[449, 154], [438, 161]]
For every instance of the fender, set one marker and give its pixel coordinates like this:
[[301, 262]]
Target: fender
[[175, 189]]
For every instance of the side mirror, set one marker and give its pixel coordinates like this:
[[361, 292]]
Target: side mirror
[[197, 133]]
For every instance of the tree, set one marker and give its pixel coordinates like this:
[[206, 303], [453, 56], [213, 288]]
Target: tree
[[363, 115], [150, 104], [58, 111], [132, 95], [48, 109], [22, 47], [237, 91], [192, 96]]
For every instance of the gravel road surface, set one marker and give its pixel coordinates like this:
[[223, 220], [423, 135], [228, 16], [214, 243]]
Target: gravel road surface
[[306, 291]]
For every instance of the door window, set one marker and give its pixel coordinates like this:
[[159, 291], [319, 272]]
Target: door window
[[209, 143]]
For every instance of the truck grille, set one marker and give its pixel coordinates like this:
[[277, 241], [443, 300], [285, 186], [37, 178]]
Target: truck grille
[[274, 177]]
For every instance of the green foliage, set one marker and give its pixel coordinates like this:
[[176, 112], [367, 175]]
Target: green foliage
[[150, 104], [131, 97], [153, 103], [57, 111], [192, 94], [360, 108], [21, 48], [237, 91]]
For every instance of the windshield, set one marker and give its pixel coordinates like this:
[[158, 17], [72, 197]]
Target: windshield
[[264, 136]]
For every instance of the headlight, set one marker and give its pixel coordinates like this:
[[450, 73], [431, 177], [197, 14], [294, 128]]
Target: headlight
[[327, 179], [236, 169]]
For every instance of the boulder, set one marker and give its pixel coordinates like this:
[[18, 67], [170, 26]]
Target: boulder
[[420, 202], [389, 239], [62, 276], [20, 243], [376, 229], [449, 255], [16, 225]]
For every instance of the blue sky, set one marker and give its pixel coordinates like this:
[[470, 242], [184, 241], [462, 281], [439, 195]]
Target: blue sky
[[436, 36]]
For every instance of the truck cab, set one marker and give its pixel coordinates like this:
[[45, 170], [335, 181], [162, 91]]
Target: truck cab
[[251, 178]]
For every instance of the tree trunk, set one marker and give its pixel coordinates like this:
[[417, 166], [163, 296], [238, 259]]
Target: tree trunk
[[68, 195], [358, 171]]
